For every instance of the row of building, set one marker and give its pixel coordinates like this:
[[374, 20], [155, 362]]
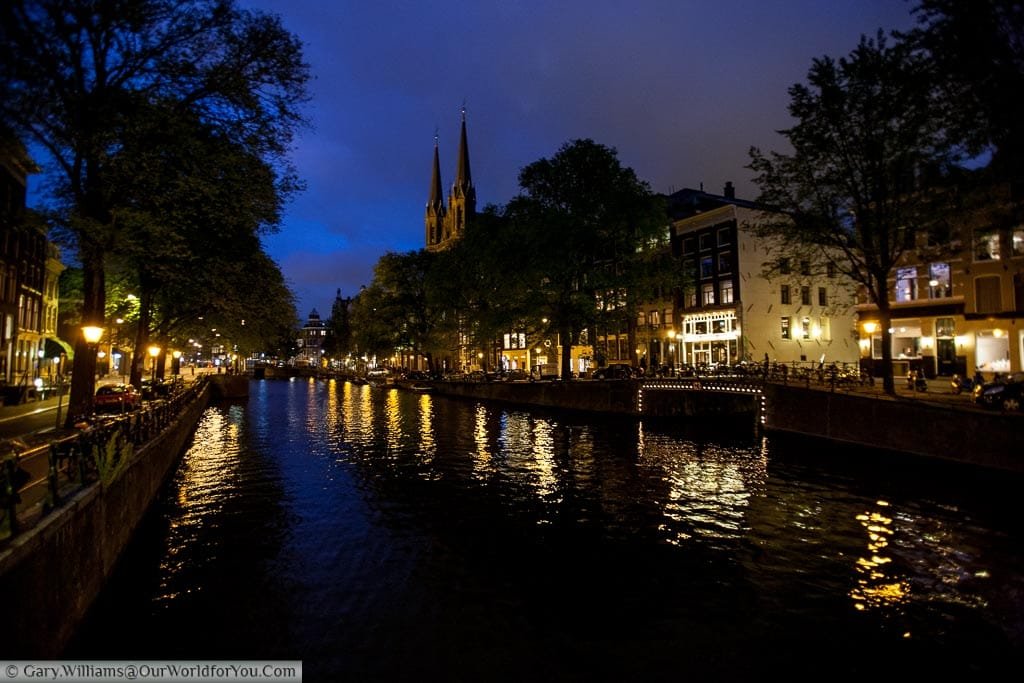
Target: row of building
[[950, 314], [30, 268]]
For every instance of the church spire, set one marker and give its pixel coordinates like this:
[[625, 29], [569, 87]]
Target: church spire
[[463, 177], [435, 204]]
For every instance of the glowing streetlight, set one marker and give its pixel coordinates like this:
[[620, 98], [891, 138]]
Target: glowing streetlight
[[154, 351]]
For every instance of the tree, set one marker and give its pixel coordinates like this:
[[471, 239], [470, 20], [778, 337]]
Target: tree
[[866, 126], [76, 78], [976, 50], [583, 216], [394, 311]]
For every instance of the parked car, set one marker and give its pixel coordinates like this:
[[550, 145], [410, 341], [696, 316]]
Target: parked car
[[155, 388], [1005, 393], [614, 371], [116, 398]]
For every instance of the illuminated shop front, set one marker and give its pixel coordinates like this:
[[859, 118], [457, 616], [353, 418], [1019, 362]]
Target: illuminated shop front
[[710, 338]]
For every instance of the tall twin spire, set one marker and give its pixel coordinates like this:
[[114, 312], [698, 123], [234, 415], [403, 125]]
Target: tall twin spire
[[443, 226]]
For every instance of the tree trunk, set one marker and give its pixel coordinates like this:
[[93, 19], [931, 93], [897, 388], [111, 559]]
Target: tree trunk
[[565, 339], [885, 320], [83, 373], [142, 337]]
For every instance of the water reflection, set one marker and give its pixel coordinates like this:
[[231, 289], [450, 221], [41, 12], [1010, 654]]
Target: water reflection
[[398, 535]]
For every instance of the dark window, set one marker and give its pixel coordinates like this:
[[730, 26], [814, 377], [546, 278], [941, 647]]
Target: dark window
[[689, 245], [987, 297], [784, 266], [805, 296], [706, 265], [805, 267], [822, 296], [723, 236], [705, 242], [831, 270], [725, 262], [784, 291]]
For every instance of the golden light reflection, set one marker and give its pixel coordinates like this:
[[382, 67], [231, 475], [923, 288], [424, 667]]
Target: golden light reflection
[[544, 458], [426, 413], [875, 588], [705, 496], [482, 456], [393, 421]]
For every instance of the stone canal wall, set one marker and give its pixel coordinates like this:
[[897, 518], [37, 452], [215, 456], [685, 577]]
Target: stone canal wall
[[918, 427], [978, 437], [51, 573]]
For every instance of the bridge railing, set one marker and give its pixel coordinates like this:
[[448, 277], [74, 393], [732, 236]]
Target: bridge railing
[[36, 480]]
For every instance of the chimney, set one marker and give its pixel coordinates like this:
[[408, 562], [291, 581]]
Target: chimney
[[730, 191]]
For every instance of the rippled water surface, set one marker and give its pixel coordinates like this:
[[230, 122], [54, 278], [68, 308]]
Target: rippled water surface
[[378, 534]]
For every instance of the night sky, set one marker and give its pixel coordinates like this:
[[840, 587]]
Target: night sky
[[681, 88]]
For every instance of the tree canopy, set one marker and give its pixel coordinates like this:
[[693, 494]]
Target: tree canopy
[[83, 81]]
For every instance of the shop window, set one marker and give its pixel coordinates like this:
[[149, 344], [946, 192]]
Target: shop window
[[822, 296], [725, 292], [986, 244], [992, 350], [805, 296], [784, 293], [987, 297], [906, 284], [906, 341], [785, 328], [707, 295], [706, 265], [939, 286]]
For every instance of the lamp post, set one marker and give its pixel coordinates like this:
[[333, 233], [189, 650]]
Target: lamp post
[[672, 351], [154, 351], [92, 335]]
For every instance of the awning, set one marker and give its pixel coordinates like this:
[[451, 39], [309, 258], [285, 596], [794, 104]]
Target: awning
[[55, 347]]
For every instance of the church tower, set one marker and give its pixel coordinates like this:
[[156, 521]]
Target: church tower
[[435, 205], [443, 226]]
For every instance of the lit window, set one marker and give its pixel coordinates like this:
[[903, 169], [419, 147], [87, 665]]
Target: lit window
[[806, 331], [906, 284], [707, 295], [785, 328], [725, 292], [986, 245], [1017, 239], [938, 281]]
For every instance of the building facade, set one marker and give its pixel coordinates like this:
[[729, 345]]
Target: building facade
[[957, 301], [310, 340], [743, 301]]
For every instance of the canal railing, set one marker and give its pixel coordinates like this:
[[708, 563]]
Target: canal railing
[[37, 480]]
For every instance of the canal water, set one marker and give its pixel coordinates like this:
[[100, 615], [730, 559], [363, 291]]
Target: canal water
[[380, 534]]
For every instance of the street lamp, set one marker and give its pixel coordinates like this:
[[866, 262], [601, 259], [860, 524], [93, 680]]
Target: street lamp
[[154, 351], [672, 334]]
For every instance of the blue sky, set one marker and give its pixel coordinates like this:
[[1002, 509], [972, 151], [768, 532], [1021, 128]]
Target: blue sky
[[681, 88]]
